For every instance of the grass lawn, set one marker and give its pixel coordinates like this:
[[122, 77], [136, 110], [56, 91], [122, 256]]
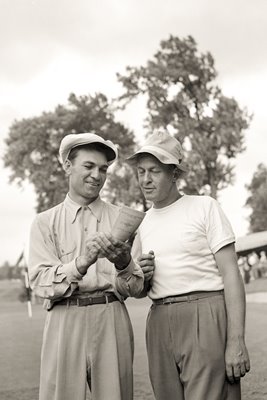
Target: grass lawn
[[258, 285], [21, 337]]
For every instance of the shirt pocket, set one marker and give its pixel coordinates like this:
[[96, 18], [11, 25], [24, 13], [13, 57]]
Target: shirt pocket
[[66, 251]]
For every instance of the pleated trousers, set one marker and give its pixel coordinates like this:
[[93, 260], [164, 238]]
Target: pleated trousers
[[186, 345], [85, 347]]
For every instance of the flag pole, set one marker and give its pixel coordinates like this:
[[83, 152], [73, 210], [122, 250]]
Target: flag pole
[[28, 292], [26, 282]]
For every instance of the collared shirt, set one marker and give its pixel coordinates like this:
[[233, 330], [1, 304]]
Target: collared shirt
[[58, 237]]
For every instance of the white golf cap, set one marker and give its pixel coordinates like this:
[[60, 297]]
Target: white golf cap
[[164, 147], [78, 139]]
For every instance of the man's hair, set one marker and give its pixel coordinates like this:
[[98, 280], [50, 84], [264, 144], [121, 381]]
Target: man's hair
[[91, 146]]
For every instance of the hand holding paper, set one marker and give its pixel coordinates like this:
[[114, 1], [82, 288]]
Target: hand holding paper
[[127, 223], [116, 251], [112, 245]]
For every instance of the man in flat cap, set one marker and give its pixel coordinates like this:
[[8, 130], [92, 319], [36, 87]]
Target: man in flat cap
[[84, 274], [195, 327]]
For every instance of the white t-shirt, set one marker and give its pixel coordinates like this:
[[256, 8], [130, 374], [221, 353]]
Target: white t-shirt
[[184, 237]]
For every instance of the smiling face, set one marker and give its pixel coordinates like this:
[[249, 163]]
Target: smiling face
[[157, 181], [87, 174]]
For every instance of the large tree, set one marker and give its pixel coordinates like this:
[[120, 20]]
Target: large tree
[[179, 83], [257, 199], [32, 148]]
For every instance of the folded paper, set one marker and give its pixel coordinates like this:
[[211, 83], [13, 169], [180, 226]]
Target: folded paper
[[126, 223]]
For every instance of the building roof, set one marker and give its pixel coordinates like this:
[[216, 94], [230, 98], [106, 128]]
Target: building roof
[[253, 242]]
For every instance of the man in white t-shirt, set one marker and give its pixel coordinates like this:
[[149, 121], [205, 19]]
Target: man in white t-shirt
[[185, 246]]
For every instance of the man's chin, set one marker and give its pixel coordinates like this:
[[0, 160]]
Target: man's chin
[[149, 196], [90, 194]]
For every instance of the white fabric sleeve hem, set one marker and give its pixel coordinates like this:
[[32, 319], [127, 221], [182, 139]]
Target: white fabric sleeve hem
[[223, 243]]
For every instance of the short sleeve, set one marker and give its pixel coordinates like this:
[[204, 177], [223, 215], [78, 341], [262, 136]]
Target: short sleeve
[[218, 228]]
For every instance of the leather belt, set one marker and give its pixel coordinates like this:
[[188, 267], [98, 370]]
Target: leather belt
[[187, 297], [87, 301]]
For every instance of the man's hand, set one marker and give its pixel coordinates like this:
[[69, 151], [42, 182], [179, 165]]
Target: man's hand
[[236, 359], [90, 256], [121, 257], [116, 251], [147, 263], [236, 354]]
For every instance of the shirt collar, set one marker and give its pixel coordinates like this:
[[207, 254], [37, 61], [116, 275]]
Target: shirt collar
[[96, 207]]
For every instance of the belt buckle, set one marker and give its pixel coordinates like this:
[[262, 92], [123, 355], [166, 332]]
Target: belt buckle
[[194, 297], [165, 300], [88, 301]]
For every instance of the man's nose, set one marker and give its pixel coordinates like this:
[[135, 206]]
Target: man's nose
[[147, 176], [95, 173]]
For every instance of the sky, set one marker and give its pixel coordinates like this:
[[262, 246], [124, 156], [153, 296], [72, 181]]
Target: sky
[[50, 49]]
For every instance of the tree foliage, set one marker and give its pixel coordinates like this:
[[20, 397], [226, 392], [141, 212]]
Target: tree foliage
[[183, 99], [33, 143], [257, 199], [123, 187], [179, 83]]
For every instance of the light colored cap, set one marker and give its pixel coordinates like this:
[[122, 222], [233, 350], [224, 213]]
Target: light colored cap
[[164, 147], [78, 139]]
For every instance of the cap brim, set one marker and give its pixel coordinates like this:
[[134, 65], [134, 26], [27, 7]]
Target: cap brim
[[109, 151], [163, 158]]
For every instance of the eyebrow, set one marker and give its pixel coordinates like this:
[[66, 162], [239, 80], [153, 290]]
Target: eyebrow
[[150, 167], [93, 164]]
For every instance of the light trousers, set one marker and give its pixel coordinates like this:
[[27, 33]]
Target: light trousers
[[186, 345], [87, 345]]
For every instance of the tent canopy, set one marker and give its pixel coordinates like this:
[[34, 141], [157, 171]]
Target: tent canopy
[[253, 242]]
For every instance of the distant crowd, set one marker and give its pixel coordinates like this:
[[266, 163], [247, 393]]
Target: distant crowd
[[253, 266]]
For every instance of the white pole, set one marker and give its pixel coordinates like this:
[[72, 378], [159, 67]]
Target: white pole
[[27, 285], [29, 309]]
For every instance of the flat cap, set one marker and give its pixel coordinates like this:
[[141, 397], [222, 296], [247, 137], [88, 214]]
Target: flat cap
[[164, 147], [78, 139]]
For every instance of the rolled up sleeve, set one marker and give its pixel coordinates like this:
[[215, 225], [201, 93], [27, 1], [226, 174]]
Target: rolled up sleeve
[[49, 277], [130, 281]]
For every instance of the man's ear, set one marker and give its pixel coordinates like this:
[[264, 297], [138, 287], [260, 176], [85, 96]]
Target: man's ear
[[67, 167], [176, 174]]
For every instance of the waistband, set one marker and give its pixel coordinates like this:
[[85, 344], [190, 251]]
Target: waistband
[[86, 301], [183, 298]]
